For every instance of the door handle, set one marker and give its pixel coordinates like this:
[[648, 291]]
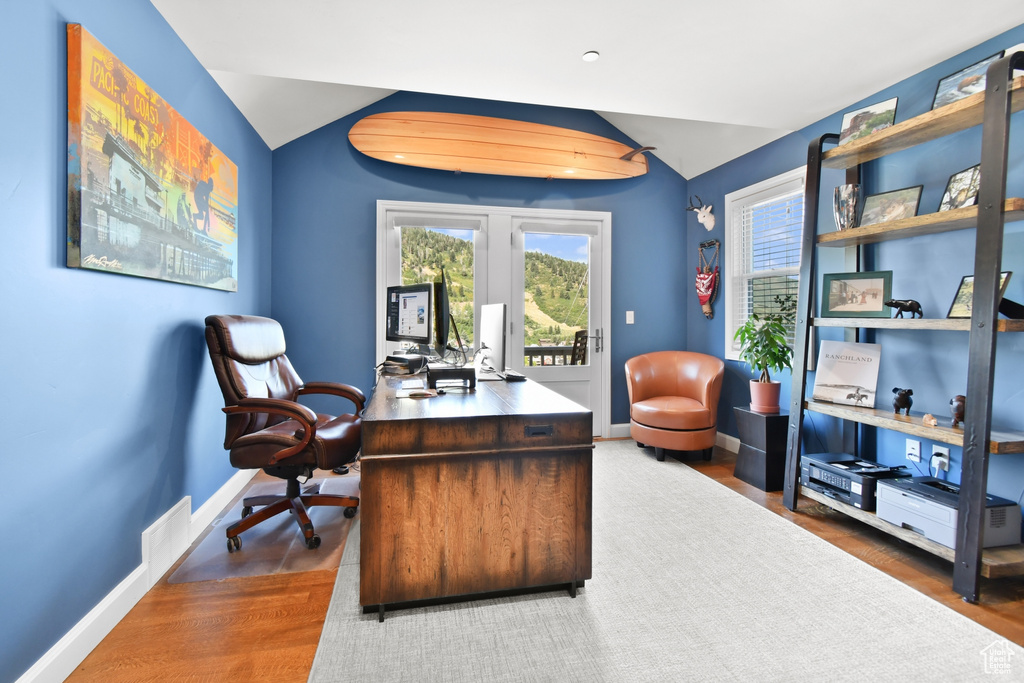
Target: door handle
[[598, 338]]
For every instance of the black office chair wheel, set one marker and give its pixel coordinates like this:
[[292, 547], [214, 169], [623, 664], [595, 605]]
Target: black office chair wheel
[[234, 543], [313, 542], [350, 512], [341, 469], [246, 511]]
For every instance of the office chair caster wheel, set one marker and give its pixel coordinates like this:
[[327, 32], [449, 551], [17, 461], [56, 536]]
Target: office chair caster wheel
[[350, 512], [246, 511], [313, 542], [234, 543]]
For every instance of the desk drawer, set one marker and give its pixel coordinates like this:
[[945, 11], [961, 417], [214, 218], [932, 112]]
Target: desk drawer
[[476, 434]]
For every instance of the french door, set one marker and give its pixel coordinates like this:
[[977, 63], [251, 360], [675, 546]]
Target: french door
[[557, 292], [550, 267]]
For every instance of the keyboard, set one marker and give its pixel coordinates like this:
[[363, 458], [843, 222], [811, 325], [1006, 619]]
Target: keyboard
[[513, 376]]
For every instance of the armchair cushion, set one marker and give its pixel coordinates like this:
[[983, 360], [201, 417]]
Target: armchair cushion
[[672, 412]]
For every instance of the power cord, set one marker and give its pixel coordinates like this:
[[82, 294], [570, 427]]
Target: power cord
[[814, 430]]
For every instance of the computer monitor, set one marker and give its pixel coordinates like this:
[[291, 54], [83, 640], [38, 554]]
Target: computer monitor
[[441, 316], [409, 314], [492, 338]]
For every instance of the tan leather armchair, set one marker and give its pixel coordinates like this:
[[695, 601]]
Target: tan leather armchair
[[673, 400], [268, 429]]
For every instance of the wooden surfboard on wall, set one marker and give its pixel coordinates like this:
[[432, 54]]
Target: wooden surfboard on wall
[[482, 144]]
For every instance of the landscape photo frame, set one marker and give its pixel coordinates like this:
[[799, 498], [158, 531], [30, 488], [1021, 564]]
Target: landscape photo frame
[[963, 300], [962, 83], [856, 295], [866, 120], [890, 206], [962, 189]]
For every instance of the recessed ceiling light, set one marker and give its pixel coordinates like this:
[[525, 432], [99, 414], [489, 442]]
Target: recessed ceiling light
[[591, 56]]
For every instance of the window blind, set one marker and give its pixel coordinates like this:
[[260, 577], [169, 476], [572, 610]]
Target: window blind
[[769, 264]]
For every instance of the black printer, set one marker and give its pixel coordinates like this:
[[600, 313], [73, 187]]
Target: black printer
[[846, 477]]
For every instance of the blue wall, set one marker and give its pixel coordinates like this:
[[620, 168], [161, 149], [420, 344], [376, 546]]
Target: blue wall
[[933, 364], [111, 413], [325, 195]]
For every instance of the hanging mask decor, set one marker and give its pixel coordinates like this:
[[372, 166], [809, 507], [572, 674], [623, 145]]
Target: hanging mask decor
[[707, 277]]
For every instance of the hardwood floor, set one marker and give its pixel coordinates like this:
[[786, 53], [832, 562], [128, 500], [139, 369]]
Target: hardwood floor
[[267, 628]]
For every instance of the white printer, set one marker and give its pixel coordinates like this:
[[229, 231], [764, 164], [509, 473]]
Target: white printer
[[928, 506]]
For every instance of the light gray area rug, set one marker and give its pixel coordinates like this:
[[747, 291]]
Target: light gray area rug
[[691, 582]]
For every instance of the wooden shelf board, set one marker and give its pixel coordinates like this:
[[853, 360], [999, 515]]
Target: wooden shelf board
[[915, 226], [1000, 443], [995, 562], [959, 115], [950, 324]]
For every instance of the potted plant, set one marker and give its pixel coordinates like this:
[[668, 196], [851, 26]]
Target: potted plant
[[763, 347]]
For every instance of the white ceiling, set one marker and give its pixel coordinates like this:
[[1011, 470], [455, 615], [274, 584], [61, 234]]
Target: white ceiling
[[704, 82]]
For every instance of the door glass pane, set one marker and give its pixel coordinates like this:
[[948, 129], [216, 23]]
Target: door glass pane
[[425, 251], [556, 297]]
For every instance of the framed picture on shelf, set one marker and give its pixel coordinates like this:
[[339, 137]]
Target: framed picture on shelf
[[866, 120], [962, 189], [964, 299], [890, 206], [856, 295], [963, 83]]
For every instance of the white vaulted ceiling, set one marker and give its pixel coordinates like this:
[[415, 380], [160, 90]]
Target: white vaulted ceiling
[[704, 82]]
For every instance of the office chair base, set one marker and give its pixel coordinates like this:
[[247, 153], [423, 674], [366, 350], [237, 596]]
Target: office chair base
[[294, 502]]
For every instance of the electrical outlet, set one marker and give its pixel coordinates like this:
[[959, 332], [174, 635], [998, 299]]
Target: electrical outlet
[[913, 450], [940, 457]]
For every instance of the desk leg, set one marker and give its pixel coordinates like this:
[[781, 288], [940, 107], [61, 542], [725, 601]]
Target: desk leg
[[380, 613]]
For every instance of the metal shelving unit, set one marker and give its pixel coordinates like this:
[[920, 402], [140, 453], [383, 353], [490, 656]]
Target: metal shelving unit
[[991, 109]]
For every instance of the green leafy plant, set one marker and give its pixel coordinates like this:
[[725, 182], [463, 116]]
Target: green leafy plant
[[762, 339]]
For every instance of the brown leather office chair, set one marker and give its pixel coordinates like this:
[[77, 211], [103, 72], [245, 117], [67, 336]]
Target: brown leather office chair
[[266, 426], [673, 400]]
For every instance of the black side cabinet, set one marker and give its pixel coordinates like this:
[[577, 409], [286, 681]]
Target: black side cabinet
[[761, 460]]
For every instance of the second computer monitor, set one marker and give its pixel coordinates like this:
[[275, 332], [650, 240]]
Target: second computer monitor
[[492, 337]]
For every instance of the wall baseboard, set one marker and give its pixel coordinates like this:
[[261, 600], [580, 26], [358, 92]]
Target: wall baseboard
[[208, 512], [618, 431], [163, 543], [729, 443]]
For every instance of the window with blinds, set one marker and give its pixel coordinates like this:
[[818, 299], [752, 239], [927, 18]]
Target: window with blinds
[[764, 223]]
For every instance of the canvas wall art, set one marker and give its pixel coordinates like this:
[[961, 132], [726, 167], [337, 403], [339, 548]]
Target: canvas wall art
[[148, 194]]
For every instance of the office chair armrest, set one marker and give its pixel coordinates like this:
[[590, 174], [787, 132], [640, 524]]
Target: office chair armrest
[[276, 406], [337, 389]]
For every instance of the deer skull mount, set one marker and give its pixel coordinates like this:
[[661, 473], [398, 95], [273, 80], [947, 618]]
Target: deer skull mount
[[704, 215]]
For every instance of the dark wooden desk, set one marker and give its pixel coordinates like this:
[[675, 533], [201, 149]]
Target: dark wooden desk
[[473, 492]]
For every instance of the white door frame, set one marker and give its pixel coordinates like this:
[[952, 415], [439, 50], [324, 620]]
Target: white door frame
[[494, 262]]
